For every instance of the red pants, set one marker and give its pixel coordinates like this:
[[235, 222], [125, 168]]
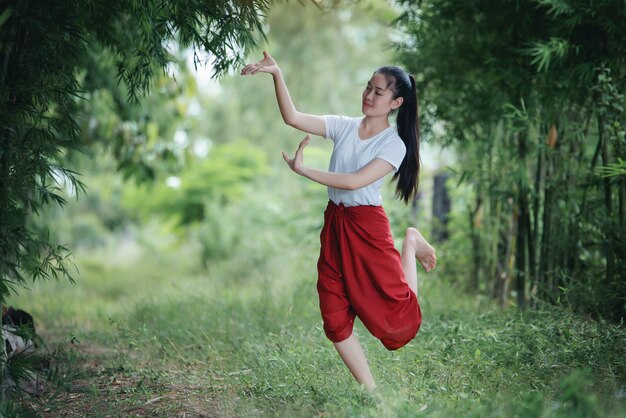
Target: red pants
[[360, 274]]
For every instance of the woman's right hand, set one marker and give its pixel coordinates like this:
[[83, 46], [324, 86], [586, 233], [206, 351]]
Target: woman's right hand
[[297, 162], [266, 65]]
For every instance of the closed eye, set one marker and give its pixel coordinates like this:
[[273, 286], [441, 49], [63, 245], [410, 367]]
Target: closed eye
[[377, 91]]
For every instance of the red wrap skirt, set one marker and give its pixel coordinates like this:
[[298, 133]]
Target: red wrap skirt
[[360, 274]]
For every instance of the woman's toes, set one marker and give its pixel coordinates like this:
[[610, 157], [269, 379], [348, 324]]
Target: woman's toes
[[424, 252]]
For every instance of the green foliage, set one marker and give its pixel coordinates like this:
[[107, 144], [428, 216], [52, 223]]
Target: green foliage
[[10, 408], [138, 134], [51, 53], [576, 398], [613, 170], [41, 88], [221, 177], [544, 54], [531, 96]]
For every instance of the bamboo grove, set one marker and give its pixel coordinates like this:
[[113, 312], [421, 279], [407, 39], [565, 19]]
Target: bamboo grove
[[531, 96]]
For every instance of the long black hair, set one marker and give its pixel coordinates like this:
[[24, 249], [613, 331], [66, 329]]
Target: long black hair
[[402, 85]]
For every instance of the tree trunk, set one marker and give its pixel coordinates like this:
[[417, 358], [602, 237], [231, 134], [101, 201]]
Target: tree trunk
[[441, 207]]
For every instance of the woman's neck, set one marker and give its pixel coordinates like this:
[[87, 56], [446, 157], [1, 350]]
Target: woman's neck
[[371, 125]]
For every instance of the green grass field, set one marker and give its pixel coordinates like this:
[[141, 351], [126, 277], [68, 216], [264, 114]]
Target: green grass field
[[146, 331]]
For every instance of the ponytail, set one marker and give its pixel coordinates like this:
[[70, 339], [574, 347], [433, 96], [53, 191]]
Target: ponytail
[[407, 123]]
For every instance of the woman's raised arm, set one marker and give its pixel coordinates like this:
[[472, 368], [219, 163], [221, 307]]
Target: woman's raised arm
[[312, 124]]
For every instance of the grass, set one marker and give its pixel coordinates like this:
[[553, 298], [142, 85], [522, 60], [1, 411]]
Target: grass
[[146, 331]]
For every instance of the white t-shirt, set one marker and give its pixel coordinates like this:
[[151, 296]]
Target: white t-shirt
[[351, 153]]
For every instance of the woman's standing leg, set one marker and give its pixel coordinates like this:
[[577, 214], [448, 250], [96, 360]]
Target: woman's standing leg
[[416, 246], [352, 355], [334, 304]]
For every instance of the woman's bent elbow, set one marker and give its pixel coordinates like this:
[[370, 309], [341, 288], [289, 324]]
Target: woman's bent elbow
[[293, 121], [288, 121], [353, 186]]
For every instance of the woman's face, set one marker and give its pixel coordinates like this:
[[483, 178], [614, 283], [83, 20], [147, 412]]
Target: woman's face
[[377, 99]]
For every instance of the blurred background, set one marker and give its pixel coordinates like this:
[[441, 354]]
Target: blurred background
[[522, 184], [193, 247], [192, 176]]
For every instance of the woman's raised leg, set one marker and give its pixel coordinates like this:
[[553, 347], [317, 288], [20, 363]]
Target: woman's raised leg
[[416, 246]]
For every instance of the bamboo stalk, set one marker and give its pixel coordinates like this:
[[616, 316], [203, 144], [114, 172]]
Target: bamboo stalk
[[533, 240], [495, 242], [522, 225], [546, 247], [520, 254], [509, 258], [3, 362], [620, 152], [608, 203], [476, 244]]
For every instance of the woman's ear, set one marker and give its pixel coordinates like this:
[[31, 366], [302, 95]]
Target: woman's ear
[[396, 103]]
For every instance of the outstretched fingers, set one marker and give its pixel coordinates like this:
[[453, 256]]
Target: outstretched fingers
[[250, 69], [266, 65], [296, 162], [305, 141]]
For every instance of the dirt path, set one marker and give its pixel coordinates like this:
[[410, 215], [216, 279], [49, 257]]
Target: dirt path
[[95, 381]]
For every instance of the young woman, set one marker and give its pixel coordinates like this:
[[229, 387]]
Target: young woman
[[360, 273]]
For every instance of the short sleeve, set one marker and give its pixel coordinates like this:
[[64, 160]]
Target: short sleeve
[[335, 125], [393, 152]]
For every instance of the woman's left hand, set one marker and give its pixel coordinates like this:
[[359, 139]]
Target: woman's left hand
[[297, 163]]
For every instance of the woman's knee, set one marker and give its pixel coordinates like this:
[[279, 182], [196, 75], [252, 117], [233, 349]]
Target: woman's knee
[[410, 237], [411, 234]]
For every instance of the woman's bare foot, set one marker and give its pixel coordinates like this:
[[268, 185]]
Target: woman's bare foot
[[424, 252]]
